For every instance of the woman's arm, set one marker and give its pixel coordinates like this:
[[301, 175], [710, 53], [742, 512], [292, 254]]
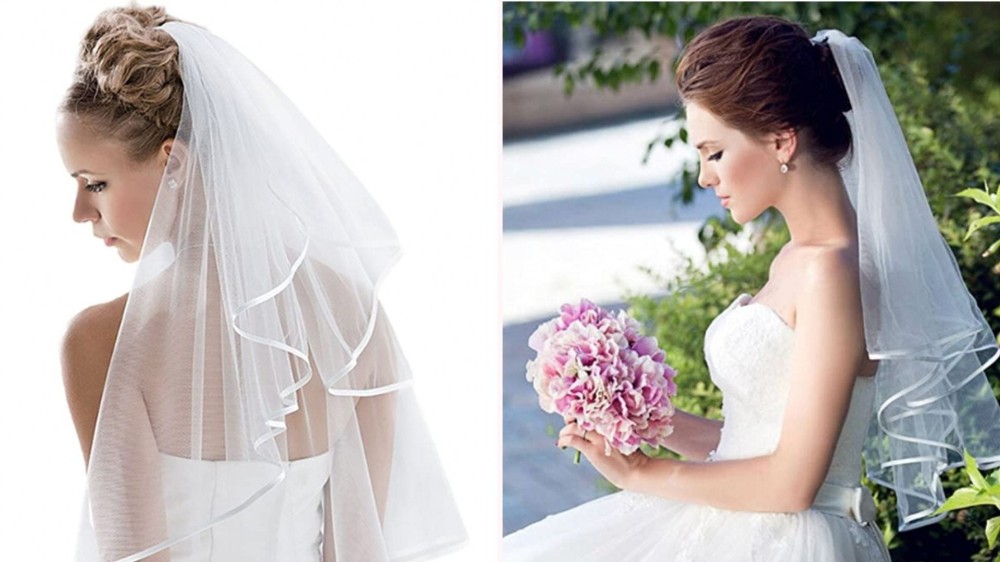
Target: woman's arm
[[128, 515], [86, 355], [694, 436], [828, 350]]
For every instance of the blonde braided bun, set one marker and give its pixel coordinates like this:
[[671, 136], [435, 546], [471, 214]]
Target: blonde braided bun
[[127, 84]]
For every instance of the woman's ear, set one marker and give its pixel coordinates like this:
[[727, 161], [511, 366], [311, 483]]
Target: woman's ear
[[785, 144], [174, 154]]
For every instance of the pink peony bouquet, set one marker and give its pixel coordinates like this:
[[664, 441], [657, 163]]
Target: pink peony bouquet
[[595, 367]]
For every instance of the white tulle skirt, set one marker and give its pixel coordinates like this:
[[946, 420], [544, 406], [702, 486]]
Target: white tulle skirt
[[627, 527]]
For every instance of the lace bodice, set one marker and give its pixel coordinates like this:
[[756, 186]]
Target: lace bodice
[[292, 511], [748, 351]]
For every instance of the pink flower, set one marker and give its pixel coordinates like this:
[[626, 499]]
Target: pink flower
[[597, 368]]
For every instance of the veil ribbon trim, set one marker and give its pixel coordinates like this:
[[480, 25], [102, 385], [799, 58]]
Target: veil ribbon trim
[[921, 322]]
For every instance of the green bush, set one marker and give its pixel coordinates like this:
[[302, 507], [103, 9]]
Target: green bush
[[955, 144]]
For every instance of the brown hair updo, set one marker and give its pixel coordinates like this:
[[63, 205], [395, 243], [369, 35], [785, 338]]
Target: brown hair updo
[[127, 83], [761, 75]]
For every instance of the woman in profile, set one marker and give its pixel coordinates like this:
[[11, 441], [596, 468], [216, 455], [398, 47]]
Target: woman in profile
[[863, 342], [246, 399]]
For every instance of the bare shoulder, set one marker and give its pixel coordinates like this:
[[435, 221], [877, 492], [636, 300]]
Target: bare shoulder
[[832, 268], [826, 264], [830, 284], [798, 271], [93, 326], [832, 288], [86, 354]]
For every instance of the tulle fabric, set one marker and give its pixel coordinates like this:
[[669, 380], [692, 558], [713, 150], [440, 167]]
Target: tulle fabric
[[625, 526], [253, 337], [921, 322]]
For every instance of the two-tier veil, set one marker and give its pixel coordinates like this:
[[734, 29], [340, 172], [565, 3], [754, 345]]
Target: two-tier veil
[[253, 334], [933, 399]]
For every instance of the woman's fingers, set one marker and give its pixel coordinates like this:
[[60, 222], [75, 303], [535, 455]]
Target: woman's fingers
[[575, 436], [567, 430], [574, 441], [572, 429]]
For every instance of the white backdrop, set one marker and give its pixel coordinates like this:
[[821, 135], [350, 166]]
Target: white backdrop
[[409, 100]]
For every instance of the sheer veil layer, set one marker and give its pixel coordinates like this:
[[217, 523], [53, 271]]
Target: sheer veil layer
[[932, 396], [253, 334]]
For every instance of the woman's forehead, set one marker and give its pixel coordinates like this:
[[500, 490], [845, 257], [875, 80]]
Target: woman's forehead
[[84, 151], [704, 128]]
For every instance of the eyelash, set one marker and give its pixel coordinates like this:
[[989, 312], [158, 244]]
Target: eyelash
[[95, 187], [716, 156]]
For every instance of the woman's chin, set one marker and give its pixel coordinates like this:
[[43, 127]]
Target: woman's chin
[[127, 255], [742, 218]]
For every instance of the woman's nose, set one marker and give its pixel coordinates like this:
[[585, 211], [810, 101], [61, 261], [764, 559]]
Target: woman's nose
[[705, 178], [83, 211]]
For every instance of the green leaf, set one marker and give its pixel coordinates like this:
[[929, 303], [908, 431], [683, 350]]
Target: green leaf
[[963, 498], [993, 248], [993, 479], [568, 85], [992, 529], [654, 70], [995, 492], [979, 196], [519, 38], [978, 482], [979, 223]]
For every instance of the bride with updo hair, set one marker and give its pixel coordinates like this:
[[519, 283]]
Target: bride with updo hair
[[247, 398], [863, 343]]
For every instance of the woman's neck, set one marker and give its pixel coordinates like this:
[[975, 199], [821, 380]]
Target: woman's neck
[[817, 209]]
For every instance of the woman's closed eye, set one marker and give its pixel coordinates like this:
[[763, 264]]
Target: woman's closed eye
[[716, 156], [96, 187]]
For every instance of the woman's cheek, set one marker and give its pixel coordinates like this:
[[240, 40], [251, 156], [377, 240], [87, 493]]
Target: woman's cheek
[[127, 218], [729, 175]]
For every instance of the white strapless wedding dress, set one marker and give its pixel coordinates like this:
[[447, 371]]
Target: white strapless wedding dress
[[285, 524], [748, 349], [194, 488]]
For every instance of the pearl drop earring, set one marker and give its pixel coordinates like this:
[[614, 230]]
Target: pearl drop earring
[[784, 168]]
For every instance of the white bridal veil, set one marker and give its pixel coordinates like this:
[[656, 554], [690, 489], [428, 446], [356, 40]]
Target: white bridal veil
[[932, 395], [253, 337]]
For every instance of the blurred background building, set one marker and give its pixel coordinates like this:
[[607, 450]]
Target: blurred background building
[[534, 101]]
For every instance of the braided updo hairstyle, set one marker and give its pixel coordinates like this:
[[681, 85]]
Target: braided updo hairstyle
[[127, 83], [763, 74]]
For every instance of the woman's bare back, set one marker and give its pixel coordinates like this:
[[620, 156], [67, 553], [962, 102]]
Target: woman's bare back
[[86, 356]]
